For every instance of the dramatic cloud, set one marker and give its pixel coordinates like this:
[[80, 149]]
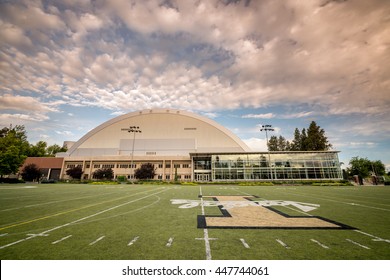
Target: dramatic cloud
[[324, 58], [259, 116]]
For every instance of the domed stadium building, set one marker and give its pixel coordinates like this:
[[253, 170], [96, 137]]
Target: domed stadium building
[[187, 147]]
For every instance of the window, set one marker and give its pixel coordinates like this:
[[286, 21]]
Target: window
[[176, 165], [160, 165], [186, 165], [167, 177], [96, 166], [108, 165], [167, 165]]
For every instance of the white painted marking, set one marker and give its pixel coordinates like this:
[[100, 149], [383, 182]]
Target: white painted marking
[[84, 218], [187, 203], [283, 244], [170, 241], [62, 239], [54, 201], [37, 234], [319, 243], [24, 187], [358, 244], [244, 243], [205, 231], [361, 205], [4, 234], [97, 240], [202, 238], [375, 237], [348, 203], [124, 213], [133, 241]]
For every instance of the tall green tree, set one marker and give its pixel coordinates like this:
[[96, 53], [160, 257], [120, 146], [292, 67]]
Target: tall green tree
[[311, 139], [364, 167], [296, 143], [278, 144], [316, 139], [53, 149], [14, 149], [273, 143], [378, 168], [38, 150]]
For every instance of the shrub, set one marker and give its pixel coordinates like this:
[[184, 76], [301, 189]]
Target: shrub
[[145, 172], [75, 172], [103, 174], [31, 172]]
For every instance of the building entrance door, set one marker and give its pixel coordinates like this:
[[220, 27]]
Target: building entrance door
[[202, 177]]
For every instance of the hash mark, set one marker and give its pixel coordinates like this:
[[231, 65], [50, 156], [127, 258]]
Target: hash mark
[[133, 241], [97, 240], [244, 243], [319, 243], [170, 241], [283, 244], [358, 244], [62, 239]]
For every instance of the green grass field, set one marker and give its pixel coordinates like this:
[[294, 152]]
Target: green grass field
[[111, 222]]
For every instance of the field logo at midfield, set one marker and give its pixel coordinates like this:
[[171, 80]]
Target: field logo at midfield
[[243, 212]]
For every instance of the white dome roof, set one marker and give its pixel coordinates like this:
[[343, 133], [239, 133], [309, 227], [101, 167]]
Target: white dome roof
[[165, 132]]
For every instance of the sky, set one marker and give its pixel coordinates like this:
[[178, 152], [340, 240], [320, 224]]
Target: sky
[[67, 66]]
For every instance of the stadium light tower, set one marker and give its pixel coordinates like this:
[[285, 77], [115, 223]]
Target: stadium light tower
[[266, 128], [134, 130]]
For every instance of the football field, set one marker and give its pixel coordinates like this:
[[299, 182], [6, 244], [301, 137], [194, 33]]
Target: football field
[[186, 222]]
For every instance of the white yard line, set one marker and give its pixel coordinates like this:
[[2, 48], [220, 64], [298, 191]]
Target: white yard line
[[244, 243], [282, 243], [62, 239], [82, 219], [4, 234], [205, 231], [358, 244], [124, 213], [133, 241], [319, 243], [97, 240]]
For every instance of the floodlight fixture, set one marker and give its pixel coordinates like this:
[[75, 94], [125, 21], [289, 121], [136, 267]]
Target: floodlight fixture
[[266, 128], [132, 129]]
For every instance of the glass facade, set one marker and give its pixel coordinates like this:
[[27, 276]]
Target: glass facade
[[270, 166]]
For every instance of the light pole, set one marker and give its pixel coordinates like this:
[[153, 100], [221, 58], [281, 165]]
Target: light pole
[[134, 130], [266, 128]]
